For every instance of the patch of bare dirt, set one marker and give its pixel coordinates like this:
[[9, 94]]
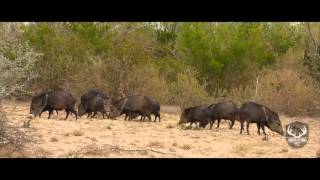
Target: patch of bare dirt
[[118, 138]]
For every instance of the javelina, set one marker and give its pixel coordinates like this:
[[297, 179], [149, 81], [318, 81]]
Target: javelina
[[224, 110], [53, 100], [252, 112], [196, 114], [44, 110], [135, 105], [154, 108], [92, 93], [92, 104]]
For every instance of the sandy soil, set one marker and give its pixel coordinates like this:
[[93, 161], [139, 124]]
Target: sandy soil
[[118, 138]]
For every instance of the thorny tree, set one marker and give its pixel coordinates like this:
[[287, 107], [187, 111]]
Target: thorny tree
[[16, 66]]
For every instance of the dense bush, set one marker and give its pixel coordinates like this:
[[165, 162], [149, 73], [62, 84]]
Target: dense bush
[[177, 63], [290, 92], [288, 88], [187, 90]]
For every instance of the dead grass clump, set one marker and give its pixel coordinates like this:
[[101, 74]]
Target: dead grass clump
[[186, 147], [53, 139], [66, 134], [91, 150], [143, 153], [170, 126], [284, 150], [92, 139], [42, 153], [241, 149], [12, 139], [77, 133], [156, 144], [260, 151]]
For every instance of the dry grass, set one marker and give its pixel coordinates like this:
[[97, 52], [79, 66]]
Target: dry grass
[[53, 139], [143, 139], [91, 150], [260, 151], [170, 126], [186, 147], [77, 133], [92, 139], [66, 134], [187, 90], [289, 90], [284, 150], [41, 153], [240, 149], [155, 144]]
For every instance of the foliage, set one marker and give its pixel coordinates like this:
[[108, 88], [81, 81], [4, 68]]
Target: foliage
[[178, 63]]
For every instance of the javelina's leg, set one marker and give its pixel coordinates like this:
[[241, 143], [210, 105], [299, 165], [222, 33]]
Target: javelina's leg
[[159, 117], [232, 123], [219, 120], [211, 123], [67, 111], [149, 117], [258, 126], [142, 117], [89, 114], [57, 112], [103, 115], [50, 112], [248, 123], [263, 129], [242, 122]]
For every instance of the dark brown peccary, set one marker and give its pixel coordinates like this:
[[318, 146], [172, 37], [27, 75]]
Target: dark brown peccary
[[196, 114], [133, 106], [251, 112], [224, 110], [92, 105], [53, 100], [92, 102]]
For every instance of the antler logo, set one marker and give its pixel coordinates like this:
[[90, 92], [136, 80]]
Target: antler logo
[[297, 134]]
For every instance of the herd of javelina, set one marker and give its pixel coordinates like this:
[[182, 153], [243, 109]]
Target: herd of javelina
[[94, 101]]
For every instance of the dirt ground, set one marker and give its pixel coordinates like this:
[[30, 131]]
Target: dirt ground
[[125, 139]]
